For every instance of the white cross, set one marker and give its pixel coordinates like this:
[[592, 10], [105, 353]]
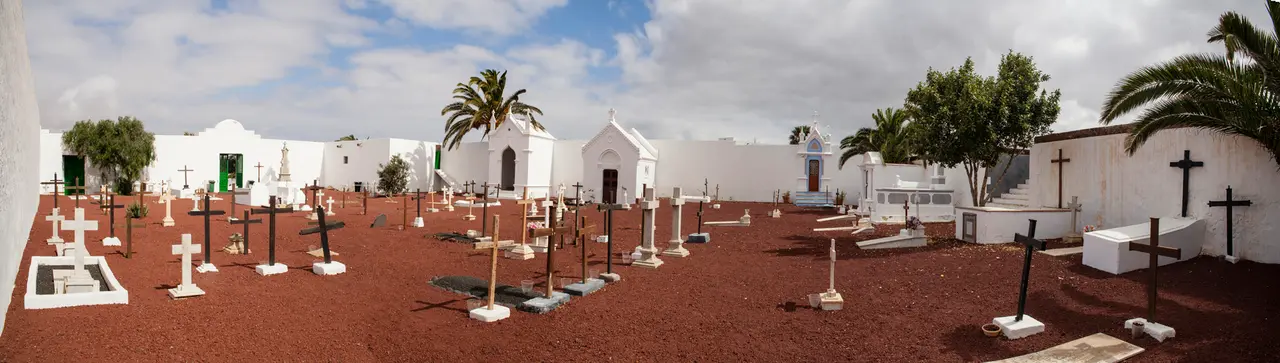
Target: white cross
[[330, 202], [612, 113], [79, 225], [186, 249], [1074, 206], [319, 196], [55, 218]]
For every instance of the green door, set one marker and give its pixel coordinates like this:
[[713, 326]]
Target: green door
[[73, 172], [230, 168], [239, 162]]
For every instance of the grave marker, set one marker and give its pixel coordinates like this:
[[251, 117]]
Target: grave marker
[[648, 253], [1060, 160], [236, 192], [1074, 206], [329, 267], [1016, 327], [128, 235], [111, 206], [1153, 251], [55, 183], [586, 230], [271, 267], [328, 210], [577, 201], [522, 251], [244, 248], [831, 299], [1230, 203], [207, 265], [77, 187], [79, 225], [417, 197], [55, 219], [167, 199], [259, 166], [492, 313], [484, 211], [608, 223], [560, 231], [184, 171], [187, 288], [675, 246], [141, 192], [79, 280], [1186, 164]]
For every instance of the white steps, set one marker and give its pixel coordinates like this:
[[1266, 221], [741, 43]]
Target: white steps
[[1019, 197]]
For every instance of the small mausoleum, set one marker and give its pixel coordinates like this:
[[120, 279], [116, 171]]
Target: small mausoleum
[[520, 156], [813, 187], [616, 159], [892, 192]]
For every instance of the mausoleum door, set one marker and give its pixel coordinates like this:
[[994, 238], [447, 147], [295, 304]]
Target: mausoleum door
[[815, 173], [508, 169], [609, 191], [72, 170]]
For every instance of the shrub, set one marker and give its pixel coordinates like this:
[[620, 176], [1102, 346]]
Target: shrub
[[136, 210], [393, 178]]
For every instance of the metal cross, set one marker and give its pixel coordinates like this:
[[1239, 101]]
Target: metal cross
[[206, 213], [246, 222], [1032, 244], [184, 171], [259, 166], [323, 228], [1059, 161], [1154, 251], [1229, 203], [1186, 164], [271, 211], [55, 182]]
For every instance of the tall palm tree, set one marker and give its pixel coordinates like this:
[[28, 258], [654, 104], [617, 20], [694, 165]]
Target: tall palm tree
[[479, 103], [798, 133], [1235, 94], [891, 137]]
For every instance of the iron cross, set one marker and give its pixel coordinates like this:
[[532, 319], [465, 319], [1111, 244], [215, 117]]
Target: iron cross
[[128, 235], [184, 171], [1059, 161], [1032, 244], [1229, 203], [1186, 164], [111, 208], [79, 190], [1154, 251], [206, 213], [259, 166], [271, 211], [323, 228], [608, 227], [55, 182], [559, 230], [246, 222]]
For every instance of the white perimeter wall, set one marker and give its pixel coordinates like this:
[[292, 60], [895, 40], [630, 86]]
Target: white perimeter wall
[[363, 158], [19, 147], [421, 156], [469, 161], [201, 154], [1118, 190]]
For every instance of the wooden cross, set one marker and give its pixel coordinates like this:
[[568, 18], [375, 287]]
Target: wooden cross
[[142, 191], [55, 182], [235, 192], [314, 188], [1074, 206], [582, 235], [493, 263], [111, 208], [700, 203], [577, 200], [259, 166], [559, 230], [417, 196], [1154, 251], [608, 228], [246, 222], [323, 229], [1186, 164], [77, 187], [364, 193], [404, 224], [271, 211], [1059, 161], [184, 171], [484, 211], [1229, 203], [206, 213], [128, 235], [1032, 244], [906, 210], [524, 217]]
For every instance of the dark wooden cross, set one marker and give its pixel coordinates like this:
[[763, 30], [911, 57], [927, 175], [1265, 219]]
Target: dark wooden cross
[[55, 182], [1032, 244], [207, 212], [1229, 203], [246, 222], [1154, 251], [259, 166], [484, 211], [583, 233], [235, 192], [700, 203], [323, 229], [184, 171], [344, 197], [560, 230], [77, 187], [315, 187], [1059, 161], [271, 211], [128, 235], [577, 214], [111, 212], [906, 210], [1186, 164], [417, 196], [608, 227], [232, 178], [364, 193]]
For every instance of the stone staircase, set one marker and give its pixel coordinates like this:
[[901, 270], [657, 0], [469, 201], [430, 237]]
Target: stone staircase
[[812, 199], [448, 180], [1019, 197]]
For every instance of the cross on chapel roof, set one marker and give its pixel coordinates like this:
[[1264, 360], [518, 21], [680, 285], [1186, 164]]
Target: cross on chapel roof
[[612, 113]]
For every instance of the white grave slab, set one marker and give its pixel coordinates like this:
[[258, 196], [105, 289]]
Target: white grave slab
[[187, 288], [258, 195], [114, 293], [1108, 250]]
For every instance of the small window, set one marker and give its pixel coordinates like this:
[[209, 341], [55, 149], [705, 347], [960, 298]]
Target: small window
[[344, 159]]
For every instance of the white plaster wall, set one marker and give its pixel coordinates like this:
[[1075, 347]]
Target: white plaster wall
[[505, 137], [744, 172], [361, 164], [469, 161], [200, 153], [51, 159], [539, 157], [1000, 227], [1118, 190], [421, 156], [569, 166], [19, 147], [645, 178]]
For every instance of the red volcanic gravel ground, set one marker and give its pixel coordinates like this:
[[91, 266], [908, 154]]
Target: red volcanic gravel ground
[[731, 300]]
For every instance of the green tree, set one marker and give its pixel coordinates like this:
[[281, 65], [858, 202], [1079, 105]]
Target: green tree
[[347, 138], [970, 120], [393, 178], [798, 133], [1209, 92], [120, 149], [480, 103], [891, 137]]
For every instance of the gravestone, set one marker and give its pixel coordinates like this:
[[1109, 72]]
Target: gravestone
[[128, 235], [379, 221], [55, 183], [207, 265], [588, 284], [237, 195], [609, 275], [491, 312], [329, 207], [831, 299], [56, 219], [186, 191], [78, 279], [187, 288], [329, 266], [1230, 203], [522, 251], [417, 221], [111, 206], [1022, 325], [1186, 164], [167, 199], [648, 253], [271, 267], [78, 225], [675, 246], [1074, 234], [1153, 251], [969, 227], [242, 247], [551, 299], [701, 237]]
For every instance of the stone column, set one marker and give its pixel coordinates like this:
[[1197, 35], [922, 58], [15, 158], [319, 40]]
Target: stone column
[[675, 247], [648, 253]]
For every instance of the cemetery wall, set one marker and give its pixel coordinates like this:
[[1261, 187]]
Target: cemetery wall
[[20, 147], [1118, 190], [201, 154], [469, 161], [421, 156], [347, 162], [569, 168]]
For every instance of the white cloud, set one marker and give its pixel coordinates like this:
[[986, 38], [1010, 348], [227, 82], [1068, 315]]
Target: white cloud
[[502, 17]]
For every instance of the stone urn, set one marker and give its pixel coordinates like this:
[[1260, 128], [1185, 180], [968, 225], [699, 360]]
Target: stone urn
[[991, 330]]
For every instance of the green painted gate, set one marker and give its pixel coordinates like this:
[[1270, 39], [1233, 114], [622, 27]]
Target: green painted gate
[[72, 170], [229, 166]]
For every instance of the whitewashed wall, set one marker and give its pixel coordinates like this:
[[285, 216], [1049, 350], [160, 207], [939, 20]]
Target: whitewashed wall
[[469, 161], [200, 154], [541, 158], [20, 148], [421, 156], [363, 157], [1118, 190], [568, 167]]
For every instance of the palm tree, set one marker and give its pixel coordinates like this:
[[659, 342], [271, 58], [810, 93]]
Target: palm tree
[[1206, 91], [479, 103], [798, 133], [891, 137], [347, 138]]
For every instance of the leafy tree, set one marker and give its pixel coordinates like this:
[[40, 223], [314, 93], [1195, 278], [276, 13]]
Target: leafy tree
[[798, 133], [891, 137], [970, 120], [120, 149], [480, 103], [393, 178], [1209, 92], [347, 138]]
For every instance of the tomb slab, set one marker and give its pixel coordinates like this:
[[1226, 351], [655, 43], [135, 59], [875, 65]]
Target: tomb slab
[[332, 268], [1019, 329], [499, 312]]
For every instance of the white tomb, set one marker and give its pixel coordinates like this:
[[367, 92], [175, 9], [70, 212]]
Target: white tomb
[[887, 187], [831, 299], [1108, 250], [187, 288], [259, 195], [75, 287]]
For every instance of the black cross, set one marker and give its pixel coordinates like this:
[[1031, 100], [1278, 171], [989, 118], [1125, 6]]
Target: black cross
[[246, 222], [206, 213], [1186, 164], [315, 186], [1154, 251], [184, 171], [235, 192], [700, 202], [577, 214], [583, 233], [55, 182], [1230, 203], [608, 227], [484, 211], [417, 196], [128, 236], [67, 190], [323, 229], [1032, 244], [365, 200], [271, 211], [111, 211], [1059, 161], [259, 166], [559, 230]]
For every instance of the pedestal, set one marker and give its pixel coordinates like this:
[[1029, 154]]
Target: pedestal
[[110, 241], [829, 301], [167, 222], [1155, 330], [540, 245], [715, 206], [520, 252], [417, 222], [608, 277], [313, 216], [776, 213], [675, 248], [581, 289], [704, 237], [1232, 259], [206, 267], [185, 291], [186, 193], [648, 258], [268, 270], [469, 217], [602, 239], [332, 268], [1018, 329], [483, 313]]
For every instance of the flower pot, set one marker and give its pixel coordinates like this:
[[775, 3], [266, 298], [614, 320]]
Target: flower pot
[[1137, 329], [786, 200], [991, 330]]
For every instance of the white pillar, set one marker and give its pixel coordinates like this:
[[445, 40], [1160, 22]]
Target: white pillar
[[648, 253], [675, 246]]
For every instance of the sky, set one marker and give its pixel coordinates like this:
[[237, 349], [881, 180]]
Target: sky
[[673, 69]]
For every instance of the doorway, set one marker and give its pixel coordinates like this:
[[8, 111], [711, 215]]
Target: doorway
[[73, 172], [815, 175], [508, 170], [609, 190], [230, 170]]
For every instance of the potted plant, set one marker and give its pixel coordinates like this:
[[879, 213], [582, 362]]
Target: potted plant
[[840, 197], [991, 330], [786, 197]]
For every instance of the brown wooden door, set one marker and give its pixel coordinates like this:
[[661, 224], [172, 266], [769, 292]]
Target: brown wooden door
[[815, 172], [508, 170], [610, 187]]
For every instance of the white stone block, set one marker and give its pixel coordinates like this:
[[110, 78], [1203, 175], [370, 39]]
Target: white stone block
[[520, 252], [185, 291], [417, 222], [648, 204], [1108, 250], [206, 267], [110, 241], [1019, 329], [483, 313], [1155, 330], [268, 270], [332, 268]]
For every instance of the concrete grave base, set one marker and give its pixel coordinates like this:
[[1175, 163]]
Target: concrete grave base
[[715, 206], [893, 242], [543, 305], [1018, 329], [652, 262], [499, 312], [1232, 259], [332, 268], [776, 213], [699, 238], [112, 293], [206, 267], [520, 252], [830, 301], [1155, 330], [608, 277], [268, 270], [433, 210], [602, 239], [581, 289], [110, 241], [677, 252], [468, 217], [179, 292], [417, 222]]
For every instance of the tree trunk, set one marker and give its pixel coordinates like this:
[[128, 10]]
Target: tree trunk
[[971, 173]]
